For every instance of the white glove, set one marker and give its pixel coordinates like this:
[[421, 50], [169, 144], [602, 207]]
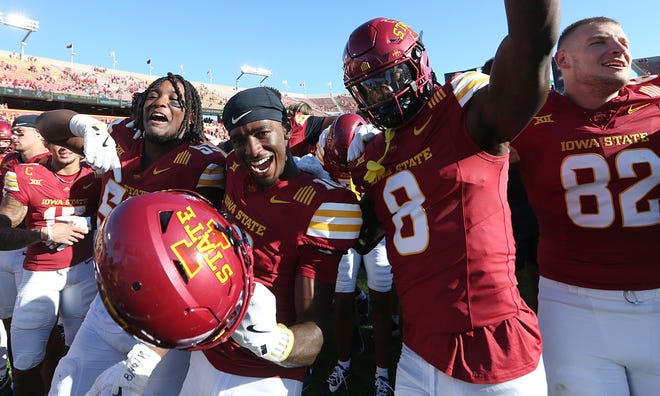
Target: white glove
[[100, 148], [78, 221], [259, 331], [128, 377], [363, 134]]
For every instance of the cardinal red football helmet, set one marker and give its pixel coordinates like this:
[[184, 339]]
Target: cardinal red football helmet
[[339, 137], [5, 137], [387, 71], [173, 271]]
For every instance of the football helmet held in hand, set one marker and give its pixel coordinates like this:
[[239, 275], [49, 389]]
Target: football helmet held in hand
[[387, 71], [173, 271]]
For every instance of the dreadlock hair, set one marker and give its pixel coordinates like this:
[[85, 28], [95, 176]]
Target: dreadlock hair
[[192, 123]]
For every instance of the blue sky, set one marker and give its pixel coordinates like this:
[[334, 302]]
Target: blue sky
[[299, 41]]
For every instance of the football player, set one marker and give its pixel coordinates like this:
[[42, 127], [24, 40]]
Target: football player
[[161, 147], [332, 151], [5, 138], [295, 261], [28, 147], [436, 179], [56, 201], [305, 128], [590, 161]]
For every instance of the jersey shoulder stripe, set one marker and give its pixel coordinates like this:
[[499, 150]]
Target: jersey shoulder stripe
[[466, 84], [212, 177], [334, 220], [11, 183]]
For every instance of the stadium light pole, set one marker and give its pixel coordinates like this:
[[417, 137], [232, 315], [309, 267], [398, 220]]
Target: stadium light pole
[[20, 22], [265, 73], [330, 87]]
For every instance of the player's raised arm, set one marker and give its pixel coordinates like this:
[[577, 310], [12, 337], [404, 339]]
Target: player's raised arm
[[519, 79], [54, 127], [84, 135]]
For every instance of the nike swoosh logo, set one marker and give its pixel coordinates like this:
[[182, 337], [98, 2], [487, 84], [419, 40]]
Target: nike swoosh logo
[[274, 200], [234, 120], [251, 328], [632, 109], [159, 171], [88, 186], [417, 131]]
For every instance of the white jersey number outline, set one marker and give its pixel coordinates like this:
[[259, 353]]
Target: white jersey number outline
[[627, 200], [409, 212]]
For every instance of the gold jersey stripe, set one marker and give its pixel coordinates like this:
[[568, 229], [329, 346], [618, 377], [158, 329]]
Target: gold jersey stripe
[[11, 184], [467, 84]]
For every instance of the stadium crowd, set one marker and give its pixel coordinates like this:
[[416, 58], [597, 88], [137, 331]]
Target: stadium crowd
[[404, 176]]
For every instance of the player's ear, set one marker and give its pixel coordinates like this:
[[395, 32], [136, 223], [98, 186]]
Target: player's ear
[[286, 127], [561, 59]]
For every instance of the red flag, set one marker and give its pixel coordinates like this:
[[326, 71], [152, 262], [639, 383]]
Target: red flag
[[149, 61], [70, 45]]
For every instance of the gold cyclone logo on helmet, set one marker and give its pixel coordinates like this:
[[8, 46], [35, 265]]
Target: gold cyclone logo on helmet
[[174, 271]]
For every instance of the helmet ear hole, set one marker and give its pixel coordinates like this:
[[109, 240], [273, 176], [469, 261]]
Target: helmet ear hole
[[416, 53]]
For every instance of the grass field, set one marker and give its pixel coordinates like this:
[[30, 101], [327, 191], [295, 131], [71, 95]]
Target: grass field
[[363, 366]]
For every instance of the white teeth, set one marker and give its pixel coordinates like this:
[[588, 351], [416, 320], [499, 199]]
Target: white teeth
[[261, 162]]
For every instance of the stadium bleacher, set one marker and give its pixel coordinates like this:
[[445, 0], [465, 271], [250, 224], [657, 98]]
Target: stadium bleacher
[[35, 84]]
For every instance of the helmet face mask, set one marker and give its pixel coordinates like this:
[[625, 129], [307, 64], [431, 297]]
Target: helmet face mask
[[173, 271], [387, 72]]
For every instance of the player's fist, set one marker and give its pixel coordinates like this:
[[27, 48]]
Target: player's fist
[[363, 134], [259, 331], [99, 147]]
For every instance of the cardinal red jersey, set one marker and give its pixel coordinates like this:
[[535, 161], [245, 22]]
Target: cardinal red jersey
[[298, 226], [187, 166], [305, 131], [47, 196], [593, 181], [12, 159], [442, 201]]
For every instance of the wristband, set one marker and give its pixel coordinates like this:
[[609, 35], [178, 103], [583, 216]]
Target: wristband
[[283, 347], [44, 234]]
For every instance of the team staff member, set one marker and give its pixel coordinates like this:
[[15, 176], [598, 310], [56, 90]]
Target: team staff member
[[591, 166], [56, 200], [162, 147], [436, 179]]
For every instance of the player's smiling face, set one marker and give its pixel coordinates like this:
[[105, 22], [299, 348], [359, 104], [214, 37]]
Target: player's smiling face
[[597, 54], [163, 113], [261, 147]]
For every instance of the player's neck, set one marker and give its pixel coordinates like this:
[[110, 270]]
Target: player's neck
[[31, 153], [590, 97], [65, 169], [153, 151]]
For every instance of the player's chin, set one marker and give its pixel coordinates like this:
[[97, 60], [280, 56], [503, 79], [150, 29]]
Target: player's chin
[[264, 181]]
